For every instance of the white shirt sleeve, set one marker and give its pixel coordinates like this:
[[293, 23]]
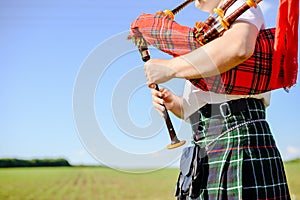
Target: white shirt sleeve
[[252, 15]]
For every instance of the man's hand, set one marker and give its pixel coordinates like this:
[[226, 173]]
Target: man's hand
[[167, 98], [158, 71]]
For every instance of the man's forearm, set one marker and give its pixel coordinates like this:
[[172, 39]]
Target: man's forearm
[[218, 56]]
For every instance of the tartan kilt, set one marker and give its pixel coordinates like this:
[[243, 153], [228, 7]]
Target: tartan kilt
[[242, 160]]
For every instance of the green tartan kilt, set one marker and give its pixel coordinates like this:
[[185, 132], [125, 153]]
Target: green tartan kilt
[[242, 160]]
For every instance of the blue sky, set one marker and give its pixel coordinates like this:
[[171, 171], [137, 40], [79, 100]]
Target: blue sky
[[44, 46]]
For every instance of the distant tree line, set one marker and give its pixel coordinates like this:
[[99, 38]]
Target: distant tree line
[[13, 162]]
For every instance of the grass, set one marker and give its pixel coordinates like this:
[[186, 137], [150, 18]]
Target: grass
[[85, 183], [293, 176], [100, 183]]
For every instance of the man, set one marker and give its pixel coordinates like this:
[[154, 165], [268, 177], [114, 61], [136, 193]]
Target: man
[[242, 161]]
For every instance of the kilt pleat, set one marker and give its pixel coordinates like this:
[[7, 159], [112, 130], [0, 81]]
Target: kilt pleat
[[242, 160]]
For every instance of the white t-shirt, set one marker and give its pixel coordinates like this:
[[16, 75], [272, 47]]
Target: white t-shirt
[[195, 98]]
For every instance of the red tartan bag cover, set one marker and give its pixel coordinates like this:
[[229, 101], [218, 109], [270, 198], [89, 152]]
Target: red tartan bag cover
[[253, 76], [250, 77]]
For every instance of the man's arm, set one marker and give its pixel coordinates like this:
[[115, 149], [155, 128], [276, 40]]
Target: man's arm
[[220, 55]]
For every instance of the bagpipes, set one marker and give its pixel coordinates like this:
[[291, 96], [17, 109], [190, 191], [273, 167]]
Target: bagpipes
[[253, 76]]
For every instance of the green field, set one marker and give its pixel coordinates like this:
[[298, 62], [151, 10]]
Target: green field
[[100, 183], [86, 183], [293, 176]]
